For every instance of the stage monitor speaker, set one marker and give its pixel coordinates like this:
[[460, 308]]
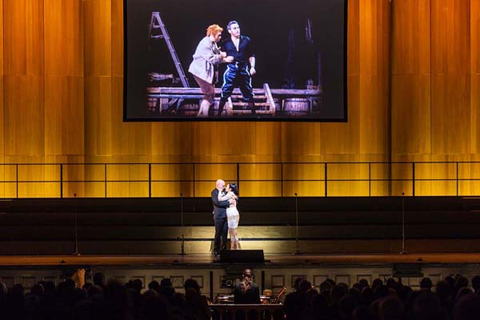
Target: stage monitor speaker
[[242, 256]]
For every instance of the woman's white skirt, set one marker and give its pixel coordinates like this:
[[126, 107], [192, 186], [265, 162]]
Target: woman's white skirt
[[233, 217]]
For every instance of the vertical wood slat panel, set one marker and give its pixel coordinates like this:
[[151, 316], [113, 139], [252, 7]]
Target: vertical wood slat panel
[[411, 37], [374, 77], [117, 38], [411, 78], [98, 117], [64, 116], [24, 79], [267, 145], [411, 83], [475, 73], [98, 37], [2, 119], [450, 81], [64, 38], [474, 36], [24, 117], [450, 36], [97, 72], [417, 131], [64, 81], [24, 34], [130, 139], [236, 137], [1, 44], [2, 133]]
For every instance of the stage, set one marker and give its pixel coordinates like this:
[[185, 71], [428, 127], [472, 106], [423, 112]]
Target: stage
[[345, 239], [271, 260]]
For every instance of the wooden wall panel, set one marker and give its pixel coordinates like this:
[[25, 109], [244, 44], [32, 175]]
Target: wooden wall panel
[[24, 120], [236, 139], [64, 117], [73, 110], [64, 37], [268, 145], [2, 136], [450, 76], [475, 72], [2, 120], [98, 37], [475, 113], [23, 36], [374, 77], [23, 81], [410, 89], [411, 37], [171, 141], [117, 38], [450, 36], [450, 114], [98, 84], [64, 81], [1, 42], [98, 117], [410, 78], [300, 141], [410, 115], [131, 141]]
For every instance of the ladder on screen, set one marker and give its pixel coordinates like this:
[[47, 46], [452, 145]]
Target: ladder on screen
[[156, 24]]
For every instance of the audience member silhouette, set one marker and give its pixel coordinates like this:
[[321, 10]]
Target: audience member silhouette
[[450, 299]]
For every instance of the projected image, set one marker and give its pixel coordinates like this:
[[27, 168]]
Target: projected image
[[268, 60]]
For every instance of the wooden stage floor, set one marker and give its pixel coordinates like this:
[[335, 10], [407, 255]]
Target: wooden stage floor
[[271, 260]]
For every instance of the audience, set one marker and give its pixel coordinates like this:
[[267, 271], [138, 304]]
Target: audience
[[450, 299]]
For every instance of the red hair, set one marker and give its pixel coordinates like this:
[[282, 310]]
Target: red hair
[[214, 29]]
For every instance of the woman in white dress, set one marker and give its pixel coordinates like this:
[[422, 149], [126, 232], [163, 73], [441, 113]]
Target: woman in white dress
[[233, 216]]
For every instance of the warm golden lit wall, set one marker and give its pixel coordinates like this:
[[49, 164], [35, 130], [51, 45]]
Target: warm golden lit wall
[[61, 63]]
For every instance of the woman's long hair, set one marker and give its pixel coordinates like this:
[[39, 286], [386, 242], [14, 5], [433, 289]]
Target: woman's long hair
[[234, 188]]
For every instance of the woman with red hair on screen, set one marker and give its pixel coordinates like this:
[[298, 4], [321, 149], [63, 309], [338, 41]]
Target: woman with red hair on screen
[[205, 59]]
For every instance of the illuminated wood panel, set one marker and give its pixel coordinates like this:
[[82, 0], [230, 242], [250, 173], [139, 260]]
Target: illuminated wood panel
[[117, 38], [24, 121], [475, 72], [2, 120], [61, 100], [98, 37], [63, 25], [411, 89], [374, 77], [98, 116], [23, 37], [64, 115], [450, 76]]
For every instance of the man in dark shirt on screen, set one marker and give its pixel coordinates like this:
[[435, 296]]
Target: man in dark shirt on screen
[[240, 71]]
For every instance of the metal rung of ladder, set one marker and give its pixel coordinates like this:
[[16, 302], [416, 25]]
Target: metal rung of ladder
[[157, 23]]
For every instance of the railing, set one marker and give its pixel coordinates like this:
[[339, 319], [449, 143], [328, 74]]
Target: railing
[[261, 311], [267, 179]]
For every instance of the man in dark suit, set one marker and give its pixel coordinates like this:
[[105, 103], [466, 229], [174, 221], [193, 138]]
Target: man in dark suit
[[220, 218]]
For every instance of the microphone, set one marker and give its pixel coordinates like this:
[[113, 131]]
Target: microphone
[[295, 194]]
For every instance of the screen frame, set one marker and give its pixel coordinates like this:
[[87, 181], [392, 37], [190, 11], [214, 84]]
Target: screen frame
[[230, 119]]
